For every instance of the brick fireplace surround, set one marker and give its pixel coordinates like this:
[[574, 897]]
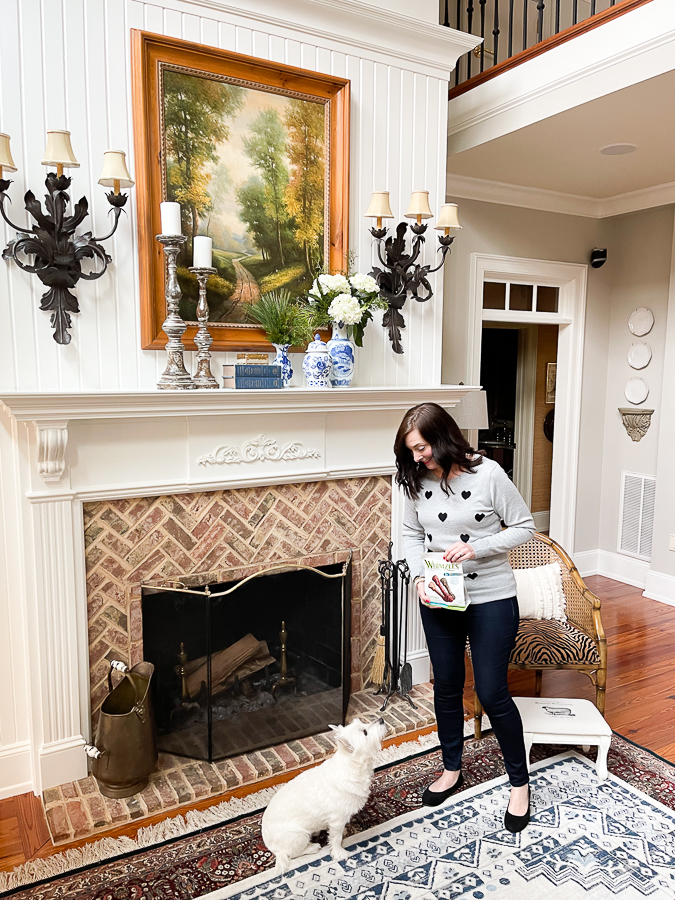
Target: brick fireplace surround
[[224, 535], [210, 537]]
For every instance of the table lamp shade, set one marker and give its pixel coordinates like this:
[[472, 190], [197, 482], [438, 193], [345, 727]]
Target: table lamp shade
[[447, 218], [419, 206], [6, 161], [471, 411], [58, 151], [379, 206], [115, 169]]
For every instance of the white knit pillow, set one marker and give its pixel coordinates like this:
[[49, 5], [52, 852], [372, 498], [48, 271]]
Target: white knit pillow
[[540, 592]]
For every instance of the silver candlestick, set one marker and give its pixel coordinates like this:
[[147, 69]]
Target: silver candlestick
[[203, 377], [175, 376]]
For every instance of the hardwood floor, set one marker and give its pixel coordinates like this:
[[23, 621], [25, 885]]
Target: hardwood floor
[[640, 705]]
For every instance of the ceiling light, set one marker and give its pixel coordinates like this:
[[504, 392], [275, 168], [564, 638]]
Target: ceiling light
[[617, 149]]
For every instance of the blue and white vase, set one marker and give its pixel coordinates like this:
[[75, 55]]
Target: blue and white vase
[[342, 351], [317, 364], [281, 359]]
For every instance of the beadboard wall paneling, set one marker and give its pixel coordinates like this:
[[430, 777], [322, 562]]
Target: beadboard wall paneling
[[66, 63]]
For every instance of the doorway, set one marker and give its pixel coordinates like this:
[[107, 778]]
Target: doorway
[[518, 366]]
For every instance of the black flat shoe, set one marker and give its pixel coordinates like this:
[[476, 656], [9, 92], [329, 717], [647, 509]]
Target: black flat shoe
[[435, 798], [514, 824]]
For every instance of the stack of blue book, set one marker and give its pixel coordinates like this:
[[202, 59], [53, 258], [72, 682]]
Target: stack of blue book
[[252, 377]]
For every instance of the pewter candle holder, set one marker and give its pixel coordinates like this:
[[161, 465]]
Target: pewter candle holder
[[203, 377], [175, 376]]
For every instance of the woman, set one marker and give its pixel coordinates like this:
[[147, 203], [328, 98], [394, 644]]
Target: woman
[[462, 504]]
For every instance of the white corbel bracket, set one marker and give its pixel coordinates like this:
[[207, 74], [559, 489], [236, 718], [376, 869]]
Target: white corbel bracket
[[52, 440]]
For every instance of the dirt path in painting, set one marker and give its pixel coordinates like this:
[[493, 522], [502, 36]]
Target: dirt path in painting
[[247, 290]]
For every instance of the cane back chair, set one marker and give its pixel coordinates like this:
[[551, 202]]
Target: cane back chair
[[579, 643]]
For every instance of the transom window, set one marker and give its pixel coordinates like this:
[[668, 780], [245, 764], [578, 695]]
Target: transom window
[[515, 297]]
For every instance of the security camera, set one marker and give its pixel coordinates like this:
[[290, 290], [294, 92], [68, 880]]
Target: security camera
[[598, 257]]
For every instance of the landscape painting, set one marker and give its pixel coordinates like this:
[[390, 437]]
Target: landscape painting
[[248, 168], [257, 155]]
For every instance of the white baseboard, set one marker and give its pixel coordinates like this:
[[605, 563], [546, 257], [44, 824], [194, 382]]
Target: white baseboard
[[542, 520], [612, 565], [660, 587], [421, 666], [15, 770], [62, 761]]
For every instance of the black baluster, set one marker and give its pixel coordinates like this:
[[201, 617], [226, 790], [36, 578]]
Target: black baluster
[[540, 21], [469, 22], [575, 12], [495, 34], [525, 5], [459, 28], [557, 16], [482, 33], [592, 7], [511, 2]]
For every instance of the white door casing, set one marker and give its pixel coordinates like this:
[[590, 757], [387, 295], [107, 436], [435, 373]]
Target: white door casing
[[571, 280]]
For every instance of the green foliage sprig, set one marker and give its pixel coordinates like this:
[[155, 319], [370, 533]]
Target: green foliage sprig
[[281, 318]]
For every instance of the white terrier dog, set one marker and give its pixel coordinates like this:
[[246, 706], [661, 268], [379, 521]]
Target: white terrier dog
[[325, 797]]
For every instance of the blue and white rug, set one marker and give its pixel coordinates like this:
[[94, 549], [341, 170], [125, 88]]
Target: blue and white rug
[[587, 840]]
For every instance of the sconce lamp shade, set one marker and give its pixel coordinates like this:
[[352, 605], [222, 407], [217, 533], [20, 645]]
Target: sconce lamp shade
[[419, 206], [115, 172], [6, 161], [471, 411], [379, 206], [447, 218], [58, 151]]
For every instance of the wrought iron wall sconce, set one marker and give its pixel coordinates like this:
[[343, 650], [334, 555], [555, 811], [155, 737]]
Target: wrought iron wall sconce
[[57, 252], [402, 275]]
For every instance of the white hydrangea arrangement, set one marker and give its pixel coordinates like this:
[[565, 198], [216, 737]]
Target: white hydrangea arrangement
[[347, 300]]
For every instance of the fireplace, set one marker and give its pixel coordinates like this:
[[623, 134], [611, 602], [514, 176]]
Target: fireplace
[[249, 663]]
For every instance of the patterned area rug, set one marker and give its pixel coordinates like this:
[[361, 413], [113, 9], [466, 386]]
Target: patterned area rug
[[197, 864], [586, 839]]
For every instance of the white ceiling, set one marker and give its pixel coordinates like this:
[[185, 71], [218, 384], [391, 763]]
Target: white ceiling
[[562, 153]]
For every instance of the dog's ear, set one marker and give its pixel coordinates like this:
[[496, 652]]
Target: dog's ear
[[335, 727], [345, 744]]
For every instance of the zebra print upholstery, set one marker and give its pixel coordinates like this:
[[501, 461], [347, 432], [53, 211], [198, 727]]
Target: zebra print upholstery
[[547, 644]]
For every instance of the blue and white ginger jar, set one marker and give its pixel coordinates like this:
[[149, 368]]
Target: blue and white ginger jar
[[317, 364], [342, 351]]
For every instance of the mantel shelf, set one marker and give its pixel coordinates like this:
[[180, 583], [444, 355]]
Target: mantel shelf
[[64, 407]]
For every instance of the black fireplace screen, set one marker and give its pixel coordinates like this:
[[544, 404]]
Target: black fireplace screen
[[247, 664]]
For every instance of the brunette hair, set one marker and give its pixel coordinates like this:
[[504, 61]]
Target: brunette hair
[[447, 443]]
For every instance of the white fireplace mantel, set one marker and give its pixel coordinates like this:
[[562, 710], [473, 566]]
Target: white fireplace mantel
[[66, 449]]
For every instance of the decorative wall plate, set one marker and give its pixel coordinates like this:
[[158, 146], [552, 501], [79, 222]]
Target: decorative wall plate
[[641, 321], [639, 355], [636, 390]]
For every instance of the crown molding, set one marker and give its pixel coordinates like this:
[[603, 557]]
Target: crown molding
[[557, 201], [424, 47]]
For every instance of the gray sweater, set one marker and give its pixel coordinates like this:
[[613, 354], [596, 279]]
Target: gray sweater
[[473, 513]]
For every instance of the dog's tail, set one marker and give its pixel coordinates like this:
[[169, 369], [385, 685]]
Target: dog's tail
[[283, 861]]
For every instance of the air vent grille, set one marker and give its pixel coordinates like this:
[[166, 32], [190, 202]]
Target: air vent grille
[[637, 514]]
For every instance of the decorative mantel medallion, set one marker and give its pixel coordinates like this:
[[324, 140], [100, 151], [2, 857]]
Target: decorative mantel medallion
[[258, 449], [636, 422]]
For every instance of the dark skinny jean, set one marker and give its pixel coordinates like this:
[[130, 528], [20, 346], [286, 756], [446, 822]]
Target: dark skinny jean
[[491, 629]]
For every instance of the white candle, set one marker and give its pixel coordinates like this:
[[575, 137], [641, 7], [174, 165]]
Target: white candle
[[170, 218], [202, 252]]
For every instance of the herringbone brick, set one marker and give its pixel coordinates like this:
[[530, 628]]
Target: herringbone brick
[[217, 535]]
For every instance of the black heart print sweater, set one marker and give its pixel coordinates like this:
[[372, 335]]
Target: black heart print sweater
[[473, 512]]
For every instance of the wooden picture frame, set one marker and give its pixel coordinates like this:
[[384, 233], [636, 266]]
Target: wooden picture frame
[[153, 55]]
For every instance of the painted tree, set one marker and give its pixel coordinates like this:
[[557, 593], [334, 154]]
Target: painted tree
[[266, 148], [196, 111], [252, 200], [305, 122]]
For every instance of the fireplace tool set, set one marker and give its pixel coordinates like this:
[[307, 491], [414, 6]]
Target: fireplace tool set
[[396, 671]]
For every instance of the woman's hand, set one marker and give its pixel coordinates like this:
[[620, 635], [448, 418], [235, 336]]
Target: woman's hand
[[459, 552], [419, 584]]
